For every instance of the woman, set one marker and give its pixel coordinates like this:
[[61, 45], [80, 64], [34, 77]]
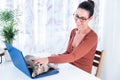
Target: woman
[[82, 43]]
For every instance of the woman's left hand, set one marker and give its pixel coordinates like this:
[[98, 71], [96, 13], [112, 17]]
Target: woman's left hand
[[41, 61]]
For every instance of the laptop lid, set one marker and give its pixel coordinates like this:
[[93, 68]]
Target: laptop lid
[[19, 61]]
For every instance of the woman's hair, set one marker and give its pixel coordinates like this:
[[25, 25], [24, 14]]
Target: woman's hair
[[87, 5]]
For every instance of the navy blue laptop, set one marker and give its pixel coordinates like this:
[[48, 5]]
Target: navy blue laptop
[[19, 61]]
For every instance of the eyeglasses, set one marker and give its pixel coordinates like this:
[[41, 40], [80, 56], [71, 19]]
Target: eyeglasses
[[82, 19]]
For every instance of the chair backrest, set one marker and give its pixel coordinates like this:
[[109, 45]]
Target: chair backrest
[[98, 61]]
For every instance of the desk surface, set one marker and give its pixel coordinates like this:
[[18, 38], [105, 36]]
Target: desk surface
[[67, 72]]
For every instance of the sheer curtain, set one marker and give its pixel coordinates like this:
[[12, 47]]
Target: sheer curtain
[[45, 25], [111, 14]]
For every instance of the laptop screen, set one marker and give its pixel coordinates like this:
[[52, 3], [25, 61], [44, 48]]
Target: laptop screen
[[18, 59]]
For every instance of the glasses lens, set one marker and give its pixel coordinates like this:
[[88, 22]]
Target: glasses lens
[[82, 19]]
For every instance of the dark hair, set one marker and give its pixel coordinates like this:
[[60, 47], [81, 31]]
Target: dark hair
[[87, 5]]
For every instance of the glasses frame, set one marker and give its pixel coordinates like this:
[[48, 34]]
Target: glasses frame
[[82, 19]]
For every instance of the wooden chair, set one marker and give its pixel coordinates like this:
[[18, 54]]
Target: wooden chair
[[2, 54], [98, 61]]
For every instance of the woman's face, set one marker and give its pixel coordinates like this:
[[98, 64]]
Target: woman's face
[[82, 18]]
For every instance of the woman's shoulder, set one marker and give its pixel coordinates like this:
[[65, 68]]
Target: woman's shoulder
[[92, 34], [74, 30]]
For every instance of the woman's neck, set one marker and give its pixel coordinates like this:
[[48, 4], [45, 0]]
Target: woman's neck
[[85, 30]]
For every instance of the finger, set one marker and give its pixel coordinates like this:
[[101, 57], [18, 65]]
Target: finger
[[36, 61]]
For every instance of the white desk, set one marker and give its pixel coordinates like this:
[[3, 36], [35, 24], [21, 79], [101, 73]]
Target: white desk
[[67, 72]]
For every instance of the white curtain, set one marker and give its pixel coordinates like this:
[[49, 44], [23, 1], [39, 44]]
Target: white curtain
[[111, 18], [45, 25]]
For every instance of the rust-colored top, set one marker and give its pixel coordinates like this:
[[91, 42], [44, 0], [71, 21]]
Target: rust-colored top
[[81, 56]]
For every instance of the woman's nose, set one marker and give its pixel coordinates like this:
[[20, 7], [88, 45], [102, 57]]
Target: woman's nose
[[78, 21]]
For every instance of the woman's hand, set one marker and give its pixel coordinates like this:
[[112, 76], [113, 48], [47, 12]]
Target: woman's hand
[[41, 61]]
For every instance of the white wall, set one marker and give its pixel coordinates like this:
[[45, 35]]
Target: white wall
[[111, 67]]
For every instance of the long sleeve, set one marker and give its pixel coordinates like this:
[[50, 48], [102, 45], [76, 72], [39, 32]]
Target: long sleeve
[[89, 42]]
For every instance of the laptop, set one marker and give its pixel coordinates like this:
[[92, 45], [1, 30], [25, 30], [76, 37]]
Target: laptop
[[19, 62]]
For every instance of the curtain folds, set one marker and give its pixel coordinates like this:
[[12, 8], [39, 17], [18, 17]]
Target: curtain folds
[[45, 25]]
